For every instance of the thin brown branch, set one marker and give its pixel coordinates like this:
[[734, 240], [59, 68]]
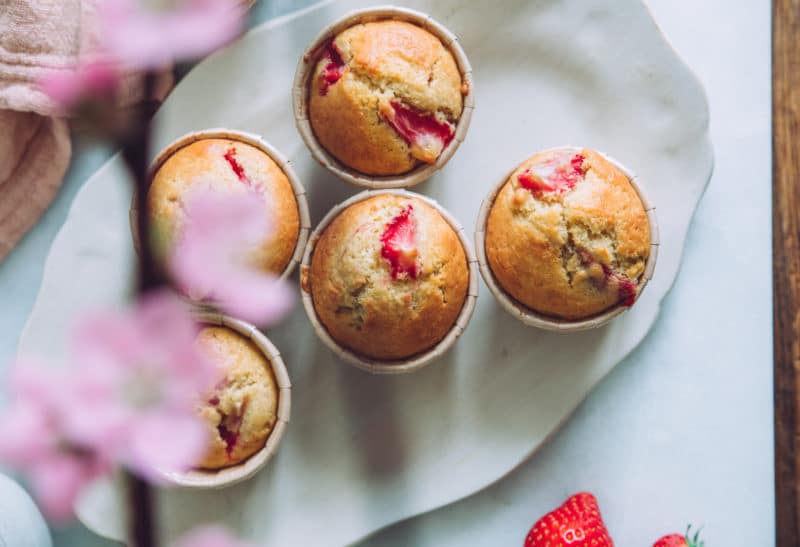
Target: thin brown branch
[[141, 514], [136, 153]]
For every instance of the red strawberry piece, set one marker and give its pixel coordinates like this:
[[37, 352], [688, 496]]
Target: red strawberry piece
[[559, 173], [577, 164], [399, 244], [672, 540], [238, 170], [426, 135], [236, 167], [626, 291], [333, 70], [228, 434], [577, 523], [534, 182], [229, 427], [681, 540]]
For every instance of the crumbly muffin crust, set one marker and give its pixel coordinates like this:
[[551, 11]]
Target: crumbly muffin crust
[[388, 277], [568, 236], [229, 166], [243, 408], [385, 96]]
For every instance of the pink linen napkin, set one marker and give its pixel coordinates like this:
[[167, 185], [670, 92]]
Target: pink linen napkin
[[37, 36]]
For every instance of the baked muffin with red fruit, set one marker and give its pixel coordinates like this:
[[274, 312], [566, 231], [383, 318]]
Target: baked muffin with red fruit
[[388, 277], [242, 410], [568, 235], [226, 166], [385, 97]]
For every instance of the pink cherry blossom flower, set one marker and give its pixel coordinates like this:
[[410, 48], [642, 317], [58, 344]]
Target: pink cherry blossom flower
[[210, 536], [34, 441], [67, 88], [141, 39], [210, 263], [140, 377], [131, 37]]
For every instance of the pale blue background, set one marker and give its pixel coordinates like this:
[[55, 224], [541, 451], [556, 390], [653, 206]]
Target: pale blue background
[[686, 420]]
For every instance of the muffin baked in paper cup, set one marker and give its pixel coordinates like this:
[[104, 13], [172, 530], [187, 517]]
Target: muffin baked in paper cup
[[413, 362], [534, 318], [305, 71], [226, 476], [257, 142]]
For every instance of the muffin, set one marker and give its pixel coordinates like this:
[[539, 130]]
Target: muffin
[[385, 97], [388, 277], [567, 235], [243, 408], [225, 165]]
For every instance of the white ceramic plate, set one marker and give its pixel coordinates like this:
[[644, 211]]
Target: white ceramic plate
[[365, 451]]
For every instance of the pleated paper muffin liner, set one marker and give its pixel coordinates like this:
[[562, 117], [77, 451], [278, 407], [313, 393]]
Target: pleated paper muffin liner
[[530, 316], [305, 70], [413, 362]]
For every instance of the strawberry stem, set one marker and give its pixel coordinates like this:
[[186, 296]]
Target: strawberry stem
[[694, 541]]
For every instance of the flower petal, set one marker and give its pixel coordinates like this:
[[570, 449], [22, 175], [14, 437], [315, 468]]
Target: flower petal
[[142, 39], [68, 88], [56, 484], [130, 365], [255, 297], [166, 442], [27, 436], [209, 259], [209, 536]]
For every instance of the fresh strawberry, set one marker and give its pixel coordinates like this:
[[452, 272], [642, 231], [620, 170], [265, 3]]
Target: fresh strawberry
[[678, 540], [577, 523], [672, 540], [399, 244]]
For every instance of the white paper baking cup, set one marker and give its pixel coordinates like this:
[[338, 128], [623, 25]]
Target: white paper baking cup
[[305, 70], [419, 360], [532, 317], [253, 140], [226, 476]]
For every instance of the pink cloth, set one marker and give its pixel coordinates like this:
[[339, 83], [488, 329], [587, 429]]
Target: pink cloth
[[37, 36]]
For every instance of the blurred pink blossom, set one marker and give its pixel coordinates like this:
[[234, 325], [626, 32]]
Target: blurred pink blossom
[[68, 88], [210, 536], [34, 443], [210, 258], [132, 37], [140, 38], [140, 377]]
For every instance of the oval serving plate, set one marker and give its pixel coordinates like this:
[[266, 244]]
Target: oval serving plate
[[366, 451]]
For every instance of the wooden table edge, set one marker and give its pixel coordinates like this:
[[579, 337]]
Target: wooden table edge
[[786, 265]]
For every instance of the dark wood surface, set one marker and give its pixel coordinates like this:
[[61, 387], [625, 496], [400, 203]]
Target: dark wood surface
[[786, 265]]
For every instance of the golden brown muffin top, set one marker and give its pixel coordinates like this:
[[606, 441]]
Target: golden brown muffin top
[[243, 408], [567, 235], [385, 96], [388, 277], [228, 166]]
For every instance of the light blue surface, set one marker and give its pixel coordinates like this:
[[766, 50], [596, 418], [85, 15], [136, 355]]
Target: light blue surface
[[682, 430], [21, 524]]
